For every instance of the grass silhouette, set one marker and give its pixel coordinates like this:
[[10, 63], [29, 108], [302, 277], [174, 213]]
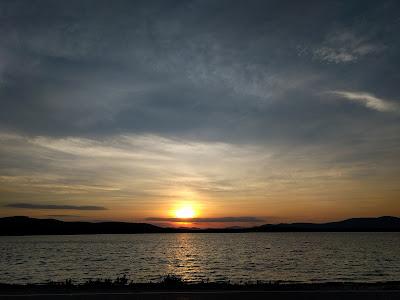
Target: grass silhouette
[[175, 282]]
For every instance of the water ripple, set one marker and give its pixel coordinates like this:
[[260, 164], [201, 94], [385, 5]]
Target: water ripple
[[305, 257]]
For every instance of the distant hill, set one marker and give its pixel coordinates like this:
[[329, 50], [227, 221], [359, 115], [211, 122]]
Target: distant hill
[[31, 226], [356, 224]]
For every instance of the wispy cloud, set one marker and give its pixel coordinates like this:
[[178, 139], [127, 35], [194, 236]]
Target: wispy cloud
[[52, 206], [63, 216], [369, 100], [210, 220], [346, 47]]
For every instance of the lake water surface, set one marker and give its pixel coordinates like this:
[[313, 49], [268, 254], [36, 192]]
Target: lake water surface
[[238, 257]]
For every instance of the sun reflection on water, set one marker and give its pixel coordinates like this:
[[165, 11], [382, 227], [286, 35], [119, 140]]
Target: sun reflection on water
[[184, 258]]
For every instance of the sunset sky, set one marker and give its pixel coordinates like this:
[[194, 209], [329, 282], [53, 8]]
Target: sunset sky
[[231, 112]]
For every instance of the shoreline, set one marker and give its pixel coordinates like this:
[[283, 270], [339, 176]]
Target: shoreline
[[173, 288], [176, 284], [214, 294]]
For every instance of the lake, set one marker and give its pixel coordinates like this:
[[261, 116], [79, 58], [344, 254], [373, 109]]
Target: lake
[[238, 257]]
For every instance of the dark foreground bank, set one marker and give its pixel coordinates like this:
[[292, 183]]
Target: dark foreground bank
[[172, 287], [188, 295]]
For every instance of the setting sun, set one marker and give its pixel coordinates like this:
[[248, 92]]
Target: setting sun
[[185, 212]]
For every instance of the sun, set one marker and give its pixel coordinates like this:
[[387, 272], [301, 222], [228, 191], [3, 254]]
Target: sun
[[185, 212]]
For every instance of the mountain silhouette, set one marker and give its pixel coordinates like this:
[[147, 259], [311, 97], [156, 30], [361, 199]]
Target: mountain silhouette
[[21, 225], [385, 223]]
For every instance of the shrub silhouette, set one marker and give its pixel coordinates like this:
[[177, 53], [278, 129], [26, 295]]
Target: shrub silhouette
[[172, 280]]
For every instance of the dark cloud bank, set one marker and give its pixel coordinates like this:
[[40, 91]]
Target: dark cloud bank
[[218, 70], [51, 206], [209, 220], [246, 73]]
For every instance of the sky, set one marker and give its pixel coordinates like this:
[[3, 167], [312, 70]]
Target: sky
[[244, 112]]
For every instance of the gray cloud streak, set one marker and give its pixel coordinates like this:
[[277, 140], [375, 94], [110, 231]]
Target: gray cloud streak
[[52, 206], [209, 220]]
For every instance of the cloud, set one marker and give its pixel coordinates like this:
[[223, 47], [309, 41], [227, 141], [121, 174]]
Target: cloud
[[148, 171], [346, 47], [139, 104], [369, 100], [64, 216], [52, 206], [210, 220]]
